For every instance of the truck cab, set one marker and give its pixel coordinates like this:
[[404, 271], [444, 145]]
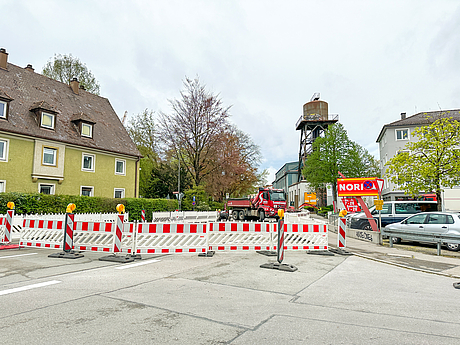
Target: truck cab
[[265, 204]]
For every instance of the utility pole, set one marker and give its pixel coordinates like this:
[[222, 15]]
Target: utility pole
[[178, 181]]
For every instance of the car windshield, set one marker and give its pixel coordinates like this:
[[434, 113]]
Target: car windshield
[[277, 195]]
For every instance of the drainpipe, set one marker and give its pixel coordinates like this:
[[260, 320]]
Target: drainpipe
[[135, 178]]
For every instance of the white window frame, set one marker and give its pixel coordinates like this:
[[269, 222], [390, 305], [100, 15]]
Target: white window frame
[[89, 187], [401, 130], [53, 117], [90, 130], [124, 166], [93, 166], [55, 160], [122, 190], [2, 186], [5, 108], [52, 190], [4, 154]]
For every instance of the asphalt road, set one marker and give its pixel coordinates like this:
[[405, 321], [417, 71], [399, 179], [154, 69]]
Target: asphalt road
[[227, 299]]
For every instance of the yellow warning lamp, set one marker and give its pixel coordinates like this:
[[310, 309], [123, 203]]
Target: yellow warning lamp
[[10, 205], [281, 213], [121, 208], [343, 213], [70, 208]]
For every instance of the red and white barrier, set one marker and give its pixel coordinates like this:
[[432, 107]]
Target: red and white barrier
[[152, 238], [100, 237], [305, 237], [240, 236], [69, 227], [341, 238], [41, 233], [6, 225]]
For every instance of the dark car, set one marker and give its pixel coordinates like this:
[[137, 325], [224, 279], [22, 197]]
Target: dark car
[[392, 212]]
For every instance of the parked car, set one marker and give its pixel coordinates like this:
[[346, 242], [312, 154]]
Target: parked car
[[432, 222], [392, 212]]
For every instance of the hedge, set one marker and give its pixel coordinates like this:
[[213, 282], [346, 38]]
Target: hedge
[[42, 203]]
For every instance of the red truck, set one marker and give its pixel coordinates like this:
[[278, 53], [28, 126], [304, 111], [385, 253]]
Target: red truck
[[265, 204]]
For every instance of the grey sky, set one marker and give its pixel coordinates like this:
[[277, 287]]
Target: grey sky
[[370, 60]]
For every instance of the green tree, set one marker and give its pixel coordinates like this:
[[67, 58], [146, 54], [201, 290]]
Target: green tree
[[431, 163], [333, 153], [141, 129], [66, 67]]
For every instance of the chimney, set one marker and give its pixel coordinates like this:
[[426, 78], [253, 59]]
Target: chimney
[[3, 58], [403, 116], [30, 68], [74, 85]]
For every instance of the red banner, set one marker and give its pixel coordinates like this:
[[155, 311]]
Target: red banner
[[362, 186], [351, 205]]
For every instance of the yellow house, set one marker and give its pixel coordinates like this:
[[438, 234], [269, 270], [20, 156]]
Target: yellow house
[[60, 139]]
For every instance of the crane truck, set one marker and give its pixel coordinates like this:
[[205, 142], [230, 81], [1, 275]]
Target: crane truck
[[265, 204]]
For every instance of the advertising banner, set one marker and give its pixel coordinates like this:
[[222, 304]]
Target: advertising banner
[[362, 186]]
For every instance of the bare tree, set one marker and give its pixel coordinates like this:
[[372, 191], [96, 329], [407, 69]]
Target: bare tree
[[193, 130]]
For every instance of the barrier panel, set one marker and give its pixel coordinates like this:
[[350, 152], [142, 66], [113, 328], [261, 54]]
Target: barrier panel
[[152, 238], [240, 236], [42, 233], [100, 237], [305, 237], [341, 239], [6, 227]]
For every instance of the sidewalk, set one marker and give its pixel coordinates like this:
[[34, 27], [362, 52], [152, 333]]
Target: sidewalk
[[401, 256]]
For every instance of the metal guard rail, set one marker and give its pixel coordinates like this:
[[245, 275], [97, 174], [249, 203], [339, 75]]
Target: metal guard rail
[[421, 236]]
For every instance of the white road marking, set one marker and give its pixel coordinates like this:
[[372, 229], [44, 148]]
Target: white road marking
[[28, 287], [136, 264], [13, 256]]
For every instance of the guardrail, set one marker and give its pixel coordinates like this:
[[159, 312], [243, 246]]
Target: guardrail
[[421, 236]]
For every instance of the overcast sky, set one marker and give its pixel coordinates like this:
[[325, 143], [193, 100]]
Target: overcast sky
[[370, 60]]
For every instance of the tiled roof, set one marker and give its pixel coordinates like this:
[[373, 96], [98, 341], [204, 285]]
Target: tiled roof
[[421, 119], [30, 90]]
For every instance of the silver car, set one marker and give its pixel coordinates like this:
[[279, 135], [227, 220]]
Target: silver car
[[431, 222]]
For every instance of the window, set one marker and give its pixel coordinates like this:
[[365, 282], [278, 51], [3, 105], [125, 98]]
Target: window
[[417, 219], [402, 134], [47, 120], [119, 193], [3, 150], [86, 130], [46, 189], [2, 186], [49, 156], [88, 162], [87, 191], [3, 108], [120, 167]]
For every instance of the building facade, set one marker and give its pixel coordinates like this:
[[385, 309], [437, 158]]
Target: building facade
[[393, 138], [60, 139]]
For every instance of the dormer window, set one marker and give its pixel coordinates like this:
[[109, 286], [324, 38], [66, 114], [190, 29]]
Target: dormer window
[[47, 120], [86, 130], [84, 125], [4, 104], [3, 109], [45, 114]]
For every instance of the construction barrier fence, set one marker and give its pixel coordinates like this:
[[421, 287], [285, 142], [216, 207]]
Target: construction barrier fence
[[154, 238]]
